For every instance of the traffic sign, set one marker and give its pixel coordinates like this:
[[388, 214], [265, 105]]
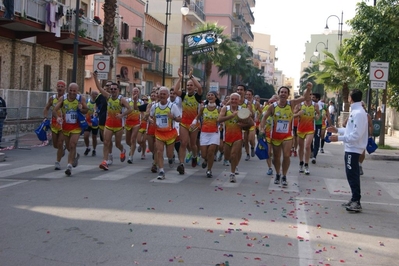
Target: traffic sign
[[101, 63], [378, 84], [379, 71], [102, 76]]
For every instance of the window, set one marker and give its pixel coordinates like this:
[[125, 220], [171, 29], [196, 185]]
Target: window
[[47, 78], [139, 33], [124, 31]]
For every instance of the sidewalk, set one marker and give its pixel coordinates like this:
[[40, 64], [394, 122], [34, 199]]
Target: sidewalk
[[385, 154]]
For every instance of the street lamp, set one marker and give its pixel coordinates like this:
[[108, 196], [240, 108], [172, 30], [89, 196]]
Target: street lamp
[[316, 52], [167, 15], [312, 62], [184, 9], [340, 24], [75, 43]]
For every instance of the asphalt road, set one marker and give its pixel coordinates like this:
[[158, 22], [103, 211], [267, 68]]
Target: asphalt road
[[127, 217]]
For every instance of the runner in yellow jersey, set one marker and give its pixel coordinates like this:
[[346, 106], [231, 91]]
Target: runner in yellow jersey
[[281, 135], [70, 104], [132, 123], [163, 114], [249, 135], [191, 99], [232, 133], [308, 112], [56, 128]]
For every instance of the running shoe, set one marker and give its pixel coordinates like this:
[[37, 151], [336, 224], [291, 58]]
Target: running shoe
[[307, 172], [122, 156], [284, 182], [236, 172], [321, 150], [301, 168], [226, 163], [209, 174], [139, 148], [204, 164], [87, 151], [68, 171], [104, 165], [354, 207], [247, 158], [143, 157], [313, 160], [188, 157], [194, 162], [130, 159], [110, 159], [180, 169], [252, 152], [161, 176], [154, 168], [270, 171], [346, 204], [361, 170], [232, 178], [76, 160], [171, 162], [57, 166], [93, 153], [277, 179]]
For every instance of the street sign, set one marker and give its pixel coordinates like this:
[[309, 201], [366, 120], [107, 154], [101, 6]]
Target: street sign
[[379, 71], [102, 76], [101, 63], [201, 50], [378, 85]]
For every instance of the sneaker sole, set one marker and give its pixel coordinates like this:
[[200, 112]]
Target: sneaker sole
[[68, 172], [103, 167], [350, 210]]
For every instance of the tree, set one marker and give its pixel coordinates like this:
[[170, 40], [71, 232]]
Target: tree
[[308, 77], [219, 56], [109, 8], [337, 73]]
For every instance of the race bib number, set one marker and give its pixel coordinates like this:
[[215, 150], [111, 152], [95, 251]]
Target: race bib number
[[282, 126], [71, 117], [162, 121]]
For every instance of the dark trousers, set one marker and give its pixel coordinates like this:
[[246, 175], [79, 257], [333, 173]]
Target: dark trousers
[[353, 174], [316, 140], [1, 128]]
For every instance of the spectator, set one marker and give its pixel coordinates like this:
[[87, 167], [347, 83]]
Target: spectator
[[331, 110], [3, 115]]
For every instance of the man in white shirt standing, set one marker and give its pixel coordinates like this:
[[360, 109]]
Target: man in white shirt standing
[[331, 110], [355, 137]]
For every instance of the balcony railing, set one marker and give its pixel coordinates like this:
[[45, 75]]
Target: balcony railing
[[158, 67], [35, 10], [197, 10], [136, 50], [250, 13]]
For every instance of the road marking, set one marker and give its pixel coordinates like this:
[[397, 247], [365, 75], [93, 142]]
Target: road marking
[[363, 202], [55, 174], [337, 186], [223, 179], [4, 164], [119, 174], [24, 169], [305, 252], [391, 188], [293, 184], [172, 176], [13, 183]]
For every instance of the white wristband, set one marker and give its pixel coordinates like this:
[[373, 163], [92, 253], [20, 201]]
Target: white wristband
[[194, 122]]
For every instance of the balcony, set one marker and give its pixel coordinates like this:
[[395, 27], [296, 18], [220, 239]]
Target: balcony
[[30, 20], [248, 15], [157, 67], [138, 52], [251, 3], [196, 13]]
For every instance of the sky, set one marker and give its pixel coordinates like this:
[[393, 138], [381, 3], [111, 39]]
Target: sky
[[290, 23]]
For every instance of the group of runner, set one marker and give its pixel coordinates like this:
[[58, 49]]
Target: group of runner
[[176, 119]]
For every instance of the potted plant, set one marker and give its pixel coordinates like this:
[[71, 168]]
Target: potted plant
[[148, 44], [157, 48], [97, 19], [137, 40]]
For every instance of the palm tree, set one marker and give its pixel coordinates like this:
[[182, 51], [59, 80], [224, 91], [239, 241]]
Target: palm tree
[[221, 52], [337, 74], [109, 8], [308, 77]]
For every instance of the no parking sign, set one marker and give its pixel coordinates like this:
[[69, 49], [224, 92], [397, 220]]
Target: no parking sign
[[101, 65], [379, 74]]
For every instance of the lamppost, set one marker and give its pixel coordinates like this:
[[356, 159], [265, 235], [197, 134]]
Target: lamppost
[[316, 52], [312, 62], [340, 24], [167, 15], [75, 43]]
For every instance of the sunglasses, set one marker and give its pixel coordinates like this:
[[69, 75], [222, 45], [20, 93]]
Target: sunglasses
[[145, 99], [113, 89]]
